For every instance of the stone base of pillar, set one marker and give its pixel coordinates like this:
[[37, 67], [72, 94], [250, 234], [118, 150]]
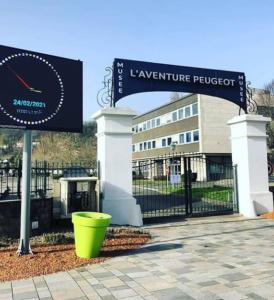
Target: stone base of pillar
[[249, 153], [263, 202], [123, 211]]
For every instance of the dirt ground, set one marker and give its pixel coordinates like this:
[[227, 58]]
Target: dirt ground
[[49, 258]]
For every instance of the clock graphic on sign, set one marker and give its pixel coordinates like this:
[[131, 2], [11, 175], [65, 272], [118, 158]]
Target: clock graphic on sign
[[31, 89]]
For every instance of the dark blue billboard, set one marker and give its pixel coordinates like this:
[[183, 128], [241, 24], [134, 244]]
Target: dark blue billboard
[[130, 77], [40, 91]]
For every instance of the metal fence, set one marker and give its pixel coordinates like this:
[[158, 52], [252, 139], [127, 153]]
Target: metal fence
[[43, 175], [179, 185]]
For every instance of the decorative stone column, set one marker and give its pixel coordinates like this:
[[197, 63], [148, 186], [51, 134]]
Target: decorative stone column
[[249, 153], [114, 153]]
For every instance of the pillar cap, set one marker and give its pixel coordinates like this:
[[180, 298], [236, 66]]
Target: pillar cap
[[115, 111], [248, 118]]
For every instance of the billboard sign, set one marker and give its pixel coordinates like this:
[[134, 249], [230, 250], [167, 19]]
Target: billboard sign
[[130, 77], [40, 91]]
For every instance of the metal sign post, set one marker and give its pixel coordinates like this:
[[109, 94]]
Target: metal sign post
[[24, 246]]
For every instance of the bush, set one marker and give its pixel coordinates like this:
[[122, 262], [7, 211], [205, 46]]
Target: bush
[[56, 238]]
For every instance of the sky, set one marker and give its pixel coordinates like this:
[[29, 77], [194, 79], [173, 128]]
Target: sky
[[227, 35]]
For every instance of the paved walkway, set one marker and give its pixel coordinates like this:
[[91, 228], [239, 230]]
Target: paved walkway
[[209, 258]]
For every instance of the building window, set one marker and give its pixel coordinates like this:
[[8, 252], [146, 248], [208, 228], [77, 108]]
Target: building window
[[152, 123], [144, 126], [153, 144], [158, 122], [163, 142], [133, 148], [145, 145], [187, 111], [141, 146], [182, 138], [196, 135], [169, 140], [195, 109], [174, 116], [181, 113], [148, 124], [188, 137], [148, 145], [136, 129]]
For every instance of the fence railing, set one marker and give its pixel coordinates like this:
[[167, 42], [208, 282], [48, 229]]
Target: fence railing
[[43, 176]]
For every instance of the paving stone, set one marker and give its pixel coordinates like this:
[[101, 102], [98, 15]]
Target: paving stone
[[5, 291], [25, 295], [6, 297], [231, 295], [124, 293], [150, 297], [40, 284], [255, 296], [118, 288], [182, 270], [139, 274], [246, 263], [172, 294], [153, 283], [235, 276], [93, 281], [22, 283], [228, 266], [108, 297], [103, 292], [134, 298], [125, 278], [44, 293], [207, 283], [82, 269], [102, 275]]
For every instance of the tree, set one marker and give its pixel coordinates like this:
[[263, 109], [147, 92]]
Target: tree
[[175, 96], [52, 146], [67, 147], [265, 102]]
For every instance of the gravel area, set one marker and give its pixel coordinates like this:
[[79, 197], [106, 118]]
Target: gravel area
[[58, 253]]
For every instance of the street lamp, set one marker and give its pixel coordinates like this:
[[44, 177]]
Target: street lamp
[[173, 146]]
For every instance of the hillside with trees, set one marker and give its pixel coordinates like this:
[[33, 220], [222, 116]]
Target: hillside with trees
[[51, 146]]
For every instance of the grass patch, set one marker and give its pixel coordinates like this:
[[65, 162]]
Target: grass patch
[[223, 194], [210, 191]]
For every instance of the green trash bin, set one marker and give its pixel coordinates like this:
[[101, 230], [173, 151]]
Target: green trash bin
[[89, 232]]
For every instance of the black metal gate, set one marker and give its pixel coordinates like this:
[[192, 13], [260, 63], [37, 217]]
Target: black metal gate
[[179, 186]]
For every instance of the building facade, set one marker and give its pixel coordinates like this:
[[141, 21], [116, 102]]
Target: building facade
[[193, 125]]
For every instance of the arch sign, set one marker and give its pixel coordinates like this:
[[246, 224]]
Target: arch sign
[[130, 77], [40, 91]]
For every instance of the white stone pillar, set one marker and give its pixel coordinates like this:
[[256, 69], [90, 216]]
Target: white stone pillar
[[114, 153], [249, 153]]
